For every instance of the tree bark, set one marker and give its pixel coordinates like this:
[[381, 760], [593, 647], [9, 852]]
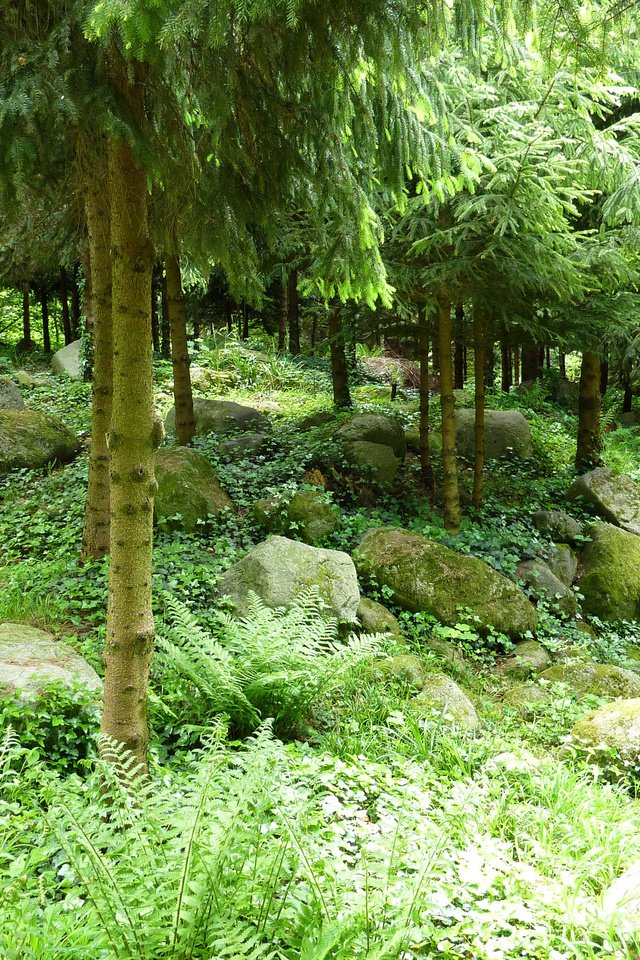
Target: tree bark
[[182, 394], [530, 363], [26, 318], [562, 362], [46, 333], [196, 321], [339, 367], [451, 492], [516, 365], [165, 323], [426, 467], [589, 441], [282, 314], [132, 438], [505, 351], [64, 302], [604, 376], [479, 346], [155, 324], [95, 535], [627, 400], [458, 360], [245, 320], [76, 312], [294, 314]]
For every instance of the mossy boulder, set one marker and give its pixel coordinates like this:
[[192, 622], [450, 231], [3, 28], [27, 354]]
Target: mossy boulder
[[408, 669], [563, 563], [375, 458], [375, 618], [374, 428], [616, 726], [66, 361], [529, 657], [188, 488], [317, 419], [610, 584], [307, 515], [505, 432], [528, 699], [560, 526], [243, 447], [278, 570], [612, 496], [442, 694], [221, 417], [599, 679], [10, 396], [426, 576], [31, 659], [31, 439], [544, 584]]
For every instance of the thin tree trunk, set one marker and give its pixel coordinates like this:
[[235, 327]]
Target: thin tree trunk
[[76, 312], [165, 323], [294, 314], [627, 400], [589, 441], [314, 333], [196, 321], [489, 363], [26, 318], [282, 314], [46, 333], [516, 365], [95, 535], [426, 467], [339, 367], [183, 397], [451, 493], [229, 316], [64, 302], [604, 376], [458, 361], [562, 361], [530, 363], [506, 366], [155, 324], [465, 365], [479, 346], [245, 320], [540, 362], [132, 438]]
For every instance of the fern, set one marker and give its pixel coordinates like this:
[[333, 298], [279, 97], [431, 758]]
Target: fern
[[271, 663]]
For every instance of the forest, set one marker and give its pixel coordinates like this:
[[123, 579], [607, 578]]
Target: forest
[[319, 479]]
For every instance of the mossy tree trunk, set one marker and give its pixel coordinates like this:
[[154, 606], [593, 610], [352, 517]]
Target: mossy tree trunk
[[26, 318], [165, 322], [506, 366], [451, 493], [479, 346], [64, 303], [627, 399], [458, 357], [132, 437], [339, 366], [76, 312], [182, 393], [293, 313], [155, 323], [281, 294], [95, 535], [589, 401], [426, 467]]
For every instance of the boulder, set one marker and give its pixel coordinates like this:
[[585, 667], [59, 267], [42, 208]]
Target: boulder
[[612, 496], [443, 694], [30, 659], [444, 650], [307, 514], [242, 447], [610, 584], [317, 419], [563, 563], [505, 432], [278, 570], [377, 619], [10, 396], [407, 668], [30, 439], [24, 379], [543, 582], [529, 657], [560, 526], [426, 576], [221, 416], [375, 458], [599, 679], [66, 362], [616, 726], [528, 700], [188, 488], [374, 428], [630, 419]]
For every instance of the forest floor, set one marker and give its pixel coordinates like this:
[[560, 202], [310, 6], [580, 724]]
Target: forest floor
[[367, 828]]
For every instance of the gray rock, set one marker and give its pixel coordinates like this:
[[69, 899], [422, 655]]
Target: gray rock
[[610, 584], [307, 516], [376, 458], [188, 488], [31, 659], [317, 419], [599, 679], [242, 447], [528, 700], [563, 563], [426, 576], [560, 526], [221, 417], [445, 650], [612, 496], [443, 694], [24, 379], [542, 581], [30, 439], [616, 726], [66, 361], [506, 432], [529, 658], [377, 619], [407, 668], [374, 428], [10, 396], [278, 570]]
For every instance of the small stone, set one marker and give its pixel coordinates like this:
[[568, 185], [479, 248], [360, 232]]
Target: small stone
[[615, 726], [379, 459], [557, 524], [541, 580], [221, 417], [529, 657], [407, 668], [374, 428], [610, 584], [528, 700], [443, 694], [243, 447], [377, 619]]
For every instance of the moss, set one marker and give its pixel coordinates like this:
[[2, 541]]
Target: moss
[[374, 428], [379, 459], [188, 486], [443, 694], [377, 619], [407, 668], [611, 582], [30, 439], [602, 680], [616, 726]]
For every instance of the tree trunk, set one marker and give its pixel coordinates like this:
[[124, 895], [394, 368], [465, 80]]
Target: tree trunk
[[589, 442], [458, 359], [245, 320], [64, 302], [489, 369], [314, 332], [426, 467], [451, 492], [627, 400], [229, 316], [282, 314], [530, 363], [294, 314], [516, 365], [155, 325], [76, 312], [165, 325], [562, 361], [132, 438], [26, 318], [46, 333], [479, 346], [196, 321], [183, 397], [604, 376], [95, 535], [339, 368], [505, 352]]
